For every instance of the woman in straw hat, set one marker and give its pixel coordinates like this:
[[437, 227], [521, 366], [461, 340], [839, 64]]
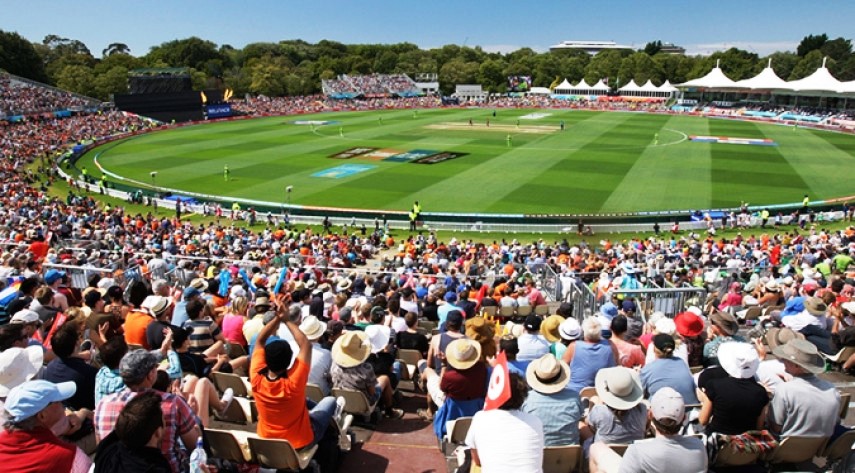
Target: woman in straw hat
[[460, 386], [351, 371], [732, 402]]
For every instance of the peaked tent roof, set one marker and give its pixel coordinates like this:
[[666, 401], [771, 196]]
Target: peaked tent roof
[[649, 87], [630, 87], [564, 85], [765, 80], [715, 79], [847, 87], [582, 85], [667, 87], [820, 81], [600, 85]]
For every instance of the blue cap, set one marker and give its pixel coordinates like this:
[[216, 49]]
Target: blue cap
[[609, 310], [53, 275], [451, 296], [30, 398], [191, 292]]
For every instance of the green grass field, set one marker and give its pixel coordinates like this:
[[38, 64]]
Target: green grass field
[[603, 162]]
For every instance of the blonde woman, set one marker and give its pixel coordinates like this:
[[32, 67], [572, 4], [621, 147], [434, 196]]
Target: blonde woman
[[233, 321]]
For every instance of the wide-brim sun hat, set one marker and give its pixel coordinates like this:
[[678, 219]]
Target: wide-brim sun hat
[[738, 359], [312, 327], [463, 353], [351, 349], [549, 328], [547, 374], [689, 324], [18, 365], [802, 353], [619, 387], [570, 330]]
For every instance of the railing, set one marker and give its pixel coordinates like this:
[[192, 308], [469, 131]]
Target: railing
[[550, 283], [669, 301], [584, 301]]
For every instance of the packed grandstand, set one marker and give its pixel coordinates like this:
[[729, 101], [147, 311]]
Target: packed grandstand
[[127, 315]]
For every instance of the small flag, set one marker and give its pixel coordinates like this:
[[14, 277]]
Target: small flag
[[204, 97], [499, 387]]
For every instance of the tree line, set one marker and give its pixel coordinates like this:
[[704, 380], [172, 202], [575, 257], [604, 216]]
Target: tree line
[[296, 67]]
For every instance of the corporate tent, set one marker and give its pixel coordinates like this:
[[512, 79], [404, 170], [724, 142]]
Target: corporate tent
[[715, 79]]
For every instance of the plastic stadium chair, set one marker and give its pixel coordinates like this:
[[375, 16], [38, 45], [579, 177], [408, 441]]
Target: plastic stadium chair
[[844, 404], [455, 435], [314, 392], [797, 450], [840, 448], [489, 311], [225, 446], [506, 312], [524, 310], [280, 454], [224, 381], [563, 459], [541, 310], [355, 402]]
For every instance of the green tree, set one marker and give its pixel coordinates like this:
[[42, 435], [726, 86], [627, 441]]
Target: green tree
[[783, 63], [456, 72], [838, 49], [808, 65], [811, 43], [190, 52], [19, 57], [605, 64], [77, 78], [112, 81], [115, 48], [491, 75], [652, 48]]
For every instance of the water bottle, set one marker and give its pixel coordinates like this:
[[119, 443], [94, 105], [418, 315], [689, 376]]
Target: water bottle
[[198, 457]]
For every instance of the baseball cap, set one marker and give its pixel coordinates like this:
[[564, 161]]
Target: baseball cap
[[455, 317], [53, 275], [667, 403], [25, 316], [451, 296], [30, 398], [191, 292], [532, 322]]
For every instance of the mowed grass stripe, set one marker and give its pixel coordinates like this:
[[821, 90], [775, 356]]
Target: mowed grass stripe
[[755, 174], [824, 160], [599, 163], [668, 176], [520, 180]]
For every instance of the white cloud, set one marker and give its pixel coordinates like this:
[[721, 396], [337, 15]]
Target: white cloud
[[758, 47]]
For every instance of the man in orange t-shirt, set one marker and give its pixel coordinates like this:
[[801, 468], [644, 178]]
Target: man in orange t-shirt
[[280, 392]]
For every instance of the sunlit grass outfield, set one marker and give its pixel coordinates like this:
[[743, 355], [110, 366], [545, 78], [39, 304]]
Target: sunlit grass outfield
[[603, 162]]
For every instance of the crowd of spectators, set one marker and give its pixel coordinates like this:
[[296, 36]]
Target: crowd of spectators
[[370, 85], [18, 97], [84, 367]]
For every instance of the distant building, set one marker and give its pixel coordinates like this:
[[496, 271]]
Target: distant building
[[590, 47], [671, 48]]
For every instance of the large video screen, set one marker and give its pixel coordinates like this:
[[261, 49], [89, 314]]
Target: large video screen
[[519, 83]]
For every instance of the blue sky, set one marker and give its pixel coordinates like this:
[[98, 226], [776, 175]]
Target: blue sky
[[702, 27]]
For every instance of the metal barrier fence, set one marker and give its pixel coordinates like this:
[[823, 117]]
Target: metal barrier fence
[[550, 283], [669, 301]]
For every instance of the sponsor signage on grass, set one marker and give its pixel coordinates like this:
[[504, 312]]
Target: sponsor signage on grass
[[535, 116], [380, 154], [733, 141], [314, 122], [352, 152], [413, 155], [438, 158], [345, 170]]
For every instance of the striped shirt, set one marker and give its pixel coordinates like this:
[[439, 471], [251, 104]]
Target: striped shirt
[[204, 334]]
